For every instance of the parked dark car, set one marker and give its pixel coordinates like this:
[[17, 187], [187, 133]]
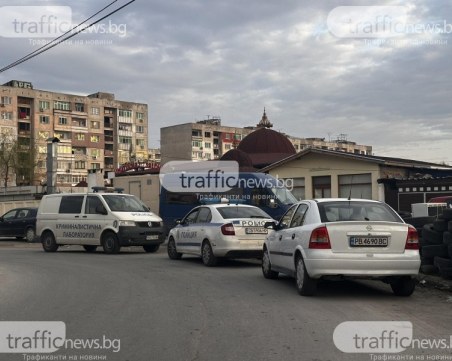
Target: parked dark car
[[19, 223]]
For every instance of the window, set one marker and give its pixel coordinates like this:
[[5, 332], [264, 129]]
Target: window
[[79, 164], [140, 116], [285, 220], [125, 140], [140, 142], [44, 119], [95, 153], [355, 185], [79, 107], [321, 187], [78, 122], [64, 149], [227, 136], [208, 145], [44, 105], [298, 217], [62, 121], [95, 165], [204, 215], [95, 111], [7, 116], [125, 113], [6, 100], [71, 204], [95, 125], [238, 136], [80, 136], [93, 203], [59, 105], [63, 135], [196, 133], [227, 146], [298, 188], [94, 139], [207, 134], [196, 143], [140, 129], [42, 149], [191, 217]]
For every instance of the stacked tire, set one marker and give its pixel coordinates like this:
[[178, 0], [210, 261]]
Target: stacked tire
[[436, 246]]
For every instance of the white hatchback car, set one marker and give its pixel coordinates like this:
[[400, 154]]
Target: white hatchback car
[[342, 238], [219, 230]]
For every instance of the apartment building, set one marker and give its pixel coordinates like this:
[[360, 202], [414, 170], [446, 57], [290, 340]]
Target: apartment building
[[203, 140], [95, 131], [208, 139]]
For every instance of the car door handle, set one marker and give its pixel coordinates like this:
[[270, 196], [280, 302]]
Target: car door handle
[[84, 216], [280, 237], [76, 216], [293, 236]]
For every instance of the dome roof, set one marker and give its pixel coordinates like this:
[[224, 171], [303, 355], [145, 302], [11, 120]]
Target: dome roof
[[264, 140], [243, 159]]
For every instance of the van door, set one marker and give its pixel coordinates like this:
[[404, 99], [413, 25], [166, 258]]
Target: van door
[[68, 226], [94, 220]]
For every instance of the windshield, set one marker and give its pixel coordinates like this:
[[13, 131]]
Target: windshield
[[125, 203], [356, 211], [284, 195], [242, 212]]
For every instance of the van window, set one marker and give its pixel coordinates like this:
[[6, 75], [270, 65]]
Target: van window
[[71, 204], [92, 202]]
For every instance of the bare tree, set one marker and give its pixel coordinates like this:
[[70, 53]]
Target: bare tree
[[8, 156]]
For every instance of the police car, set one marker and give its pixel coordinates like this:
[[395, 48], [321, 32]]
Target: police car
[[219, 230]]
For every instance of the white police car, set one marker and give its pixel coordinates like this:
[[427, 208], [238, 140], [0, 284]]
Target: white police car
[[219, 230]]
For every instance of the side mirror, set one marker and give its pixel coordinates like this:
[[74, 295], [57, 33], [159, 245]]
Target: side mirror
[[270, 225], [178, 221], [272, 203], [101, 210]]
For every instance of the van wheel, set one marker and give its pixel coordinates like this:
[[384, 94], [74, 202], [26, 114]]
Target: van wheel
[[90, 248], [30, 234], [306, 286], [48, 242], [172, 250], [208, 258], [151, 248], [110, 243]]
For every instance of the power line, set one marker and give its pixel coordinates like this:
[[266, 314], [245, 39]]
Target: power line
[[60, 39]]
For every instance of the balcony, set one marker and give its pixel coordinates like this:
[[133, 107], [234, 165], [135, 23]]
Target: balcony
[[125, 133], [109, 138], [125, 120], [108, 153]]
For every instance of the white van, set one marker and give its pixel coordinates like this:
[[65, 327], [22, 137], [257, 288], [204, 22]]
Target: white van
[[110, 220]]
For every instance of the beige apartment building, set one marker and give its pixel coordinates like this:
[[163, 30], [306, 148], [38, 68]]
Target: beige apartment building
[[95, 131], [208, 139]]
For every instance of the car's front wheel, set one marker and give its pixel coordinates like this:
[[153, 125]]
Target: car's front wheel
[[403, 286], [267, 267], [208, 258], [172, 250], [48, 242], [306, 286]]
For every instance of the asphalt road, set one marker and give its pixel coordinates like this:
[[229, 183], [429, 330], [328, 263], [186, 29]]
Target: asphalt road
[[181, 310]]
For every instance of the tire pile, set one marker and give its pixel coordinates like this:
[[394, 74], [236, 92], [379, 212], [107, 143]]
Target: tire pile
[[435, 240]]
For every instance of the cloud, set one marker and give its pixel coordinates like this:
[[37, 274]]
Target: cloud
[[191, 59]]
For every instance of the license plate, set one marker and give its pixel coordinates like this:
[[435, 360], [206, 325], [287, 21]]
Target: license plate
[[369, 241], [256, 230], [152, 237]]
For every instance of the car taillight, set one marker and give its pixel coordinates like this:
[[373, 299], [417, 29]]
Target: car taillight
[[228, 229], [412, 239], [320, 239]]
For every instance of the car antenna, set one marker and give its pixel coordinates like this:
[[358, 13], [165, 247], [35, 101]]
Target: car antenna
[[350, 193]]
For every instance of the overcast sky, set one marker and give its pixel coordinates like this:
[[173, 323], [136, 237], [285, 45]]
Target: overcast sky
[[190, 59]]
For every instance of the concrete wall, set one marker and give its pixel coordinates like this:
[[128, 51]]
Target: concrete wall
[[6, 206], [314, 165]]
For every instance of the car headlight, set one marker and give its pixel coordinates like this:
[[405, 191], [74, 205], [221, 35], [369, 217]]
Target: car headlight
[[127, 223]]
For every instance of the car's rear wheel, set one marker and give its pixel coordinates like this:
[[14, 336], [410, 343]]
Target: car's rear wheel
[[151, 248], [90, 248], [48, 242], [208, 258], [403, 286], [267, 267], [110, 243], [30, 234], [172, 250], [306, 286]]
